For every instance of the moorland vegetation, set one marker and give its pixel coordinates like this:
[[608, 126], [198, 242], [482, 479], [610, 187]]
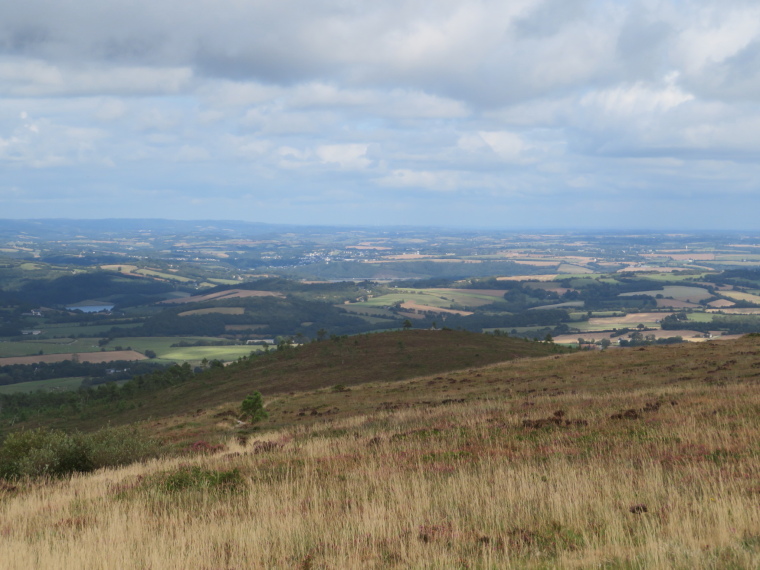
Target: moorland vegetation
[[637, 458]]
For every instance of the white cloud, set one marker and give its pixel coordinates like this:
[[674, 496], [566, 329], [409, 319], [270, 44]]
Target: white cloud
[[348, 156], [638, 99], [22, 77], [438, 181], [716, 35]]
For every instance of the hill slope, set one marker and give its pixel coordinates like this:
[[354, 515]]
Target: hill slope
[[643, 458], [342, 361]]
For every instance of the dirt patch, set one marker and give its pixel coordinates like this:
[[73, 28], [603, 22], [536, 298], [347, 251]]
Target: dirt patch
[[95, 357]]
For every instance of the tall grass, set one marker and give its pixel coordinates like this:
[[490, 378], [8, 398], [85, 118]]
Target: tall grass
[[459, 486]]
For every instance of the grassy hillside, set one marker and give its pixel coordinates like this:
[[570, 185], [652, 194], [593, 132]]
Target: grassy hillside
[[641, 458], [340, 361]]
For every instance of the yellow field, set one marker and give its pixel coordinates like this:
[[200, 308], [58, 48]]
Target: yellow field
[[429, 309], [739, 296], [748, 311], [549, 277]]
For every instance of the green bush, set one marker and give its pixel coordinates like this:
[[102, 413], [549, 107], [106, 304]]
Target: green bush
[[117, 446], [253, 407], [54, 453], [198, 479], [39, 452]]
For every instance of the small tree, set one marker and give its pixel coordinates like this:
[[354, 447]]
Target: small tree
[[253, 407], [407, 324]]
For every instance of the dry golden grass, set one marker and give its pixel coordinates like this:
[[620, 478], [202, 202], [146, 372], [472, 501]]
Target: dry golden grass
[[674, 483]]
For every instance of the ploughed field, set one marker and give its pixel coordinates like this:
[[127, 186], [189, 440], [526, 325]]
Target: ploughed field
[[636, 458]]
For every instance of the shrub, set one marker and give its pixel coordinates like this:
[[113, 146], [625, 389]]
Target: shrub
[[197, 479], [112, 447], [253, 407], [37, 453]]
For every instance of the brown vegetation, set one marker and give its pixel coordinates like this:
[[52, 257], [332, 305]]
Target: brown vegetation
[[96, 357], [643, 458]]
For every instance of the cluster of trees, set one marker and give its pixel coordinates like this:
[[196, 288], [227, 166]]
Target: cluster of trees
[[119, 370], [21, 406], [731, 324], [90, 285], [741, 277], [480, 321], [639, 339]]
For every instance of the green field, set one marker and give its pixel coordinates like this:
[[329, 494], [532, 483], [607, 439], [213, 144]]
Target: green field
[[164, 350], [160, 345], [404, 296], [167, 276], [668, 277], [52, 346], [675, 292], [700, 317], [69, 330], [439, 298], [47, 385], [198, 353]]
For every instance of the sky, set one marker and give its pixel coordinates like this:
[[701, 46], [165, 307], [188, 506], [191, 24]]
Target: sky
[[499, 114]]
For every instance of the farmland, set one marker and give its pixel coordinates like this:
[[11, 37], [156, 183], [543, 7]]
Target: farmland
[[71, 383], [81, 356], [676, 292], [185, 295]]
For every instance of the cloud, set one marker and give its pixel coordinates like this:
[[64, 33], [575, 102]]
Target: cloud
[[439, 181], [348, 156], [483, 102], [35, 78]]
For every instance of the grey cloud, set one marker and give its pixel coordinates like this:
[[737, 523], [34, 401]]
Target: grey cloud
[[547, 18]]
